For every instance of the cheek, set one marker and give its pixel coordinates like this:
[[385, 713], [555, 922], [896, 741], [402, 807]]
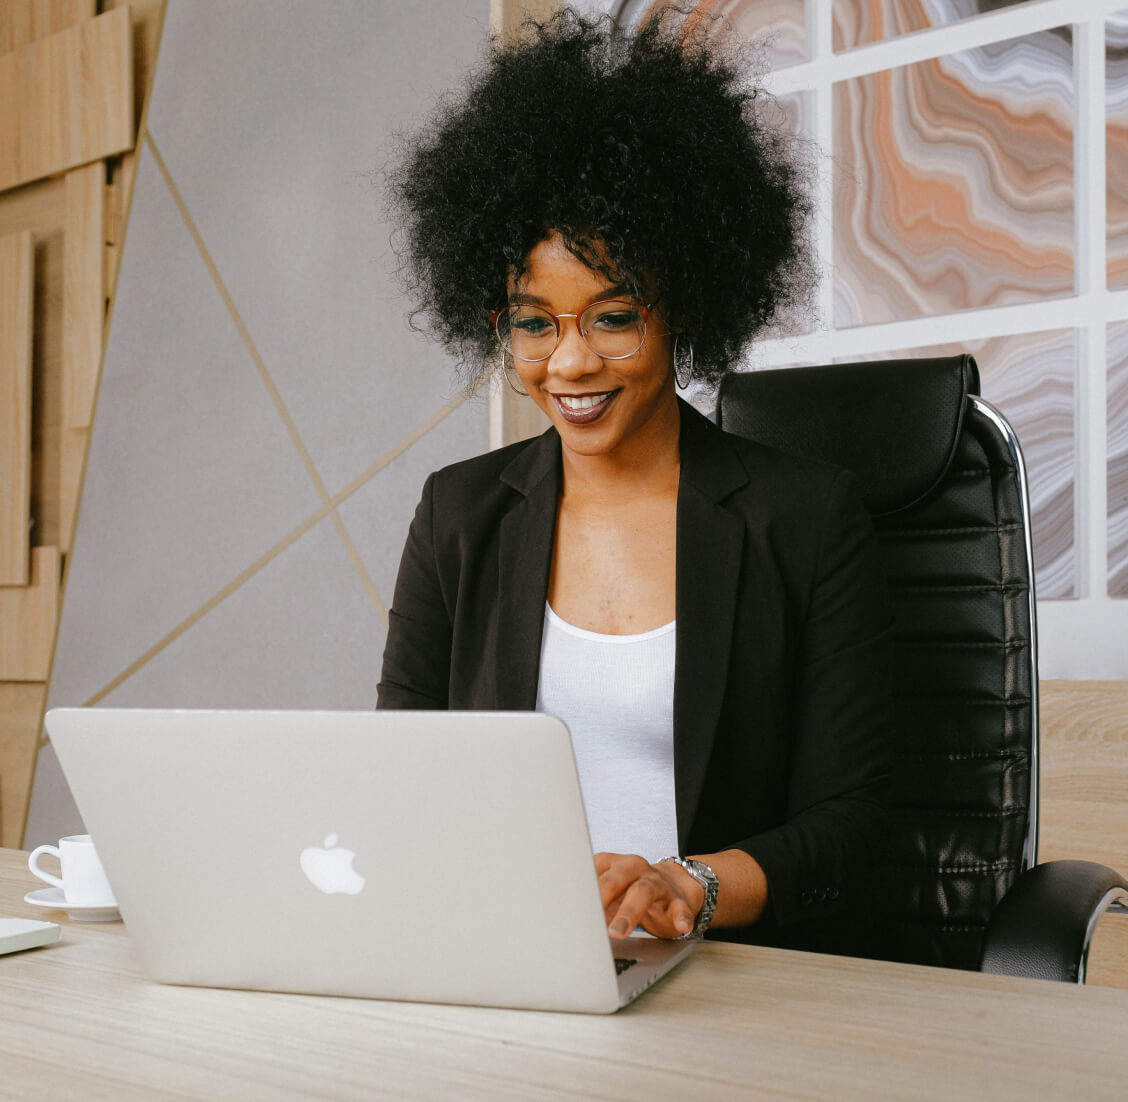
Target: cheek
[[659, 370], [530, 374]]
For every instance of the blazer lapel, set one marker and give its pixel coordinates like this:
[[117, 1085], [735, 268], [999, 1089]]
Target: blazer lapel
[[525, 542], [710, 542]]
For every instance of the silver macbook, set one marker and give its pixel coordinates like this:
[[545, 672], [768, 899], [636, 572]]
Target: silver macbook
[[427, 856]]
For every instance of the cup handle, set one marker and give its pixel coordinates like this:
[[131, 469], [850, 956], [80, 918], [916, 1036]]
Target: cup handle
[[33, 864]]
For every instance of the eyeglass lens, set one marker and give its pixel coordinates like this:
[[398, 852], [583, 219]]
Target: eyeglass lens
[[613, 329]]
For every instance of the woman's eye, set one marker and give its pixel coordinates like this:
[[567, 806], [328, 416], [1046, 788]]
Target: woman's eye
[[614, 320], [531, 327]]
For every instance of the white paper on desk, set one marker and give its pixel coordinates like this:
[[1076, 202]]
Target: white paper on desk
[[26, 933]]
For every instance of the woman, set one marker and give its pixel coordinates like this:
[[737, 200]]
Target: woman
[[604, 215]]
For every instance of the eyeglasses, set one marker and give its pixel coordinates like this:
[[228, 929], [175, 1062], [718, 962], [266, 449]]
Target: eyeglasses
[[613, 329]]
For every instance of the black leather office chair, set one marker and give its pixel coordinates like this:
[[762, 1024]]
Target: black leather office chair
[[942, 474]]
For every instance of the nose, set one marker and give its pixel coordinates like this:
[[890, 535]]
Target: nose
[[573, 357]]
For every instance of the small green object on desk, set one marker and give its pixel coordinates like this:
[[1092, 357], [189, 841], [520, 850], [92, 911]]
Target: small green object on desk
[[26, 933]]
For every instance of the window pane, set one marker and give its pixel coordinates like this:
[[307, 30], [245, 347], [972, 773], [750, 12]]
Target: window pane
[[779, 26], [858, 22], [1118, 459], [1116, 148], [954, 185]]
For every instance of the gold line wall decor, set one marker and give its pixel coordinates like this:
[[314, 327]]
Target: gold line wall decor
[[329, 509], [266, 376], [68, 99], [16, 288]]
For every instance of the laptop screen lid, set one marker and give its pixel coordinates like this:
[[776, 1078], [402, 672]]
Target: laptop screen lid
[[227, 836]]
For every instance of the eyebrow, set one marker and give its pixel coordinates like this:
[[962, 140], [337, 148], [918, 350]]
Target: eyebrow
[[520, 298]]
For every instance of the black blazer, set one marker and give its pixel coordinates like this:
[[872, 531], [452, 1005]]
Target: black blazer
[[780, 686]]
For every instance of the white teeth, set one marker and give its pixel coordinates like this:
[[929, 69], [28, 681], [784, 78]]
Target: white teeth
[[582, 403]]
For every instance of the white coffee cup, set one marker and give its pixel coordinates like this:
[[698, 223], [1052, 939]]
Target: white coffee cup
[[83, 882]]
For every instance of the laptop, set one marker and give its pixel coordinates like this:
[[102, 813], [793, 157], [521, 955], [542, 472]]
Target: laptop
[[423, 856]]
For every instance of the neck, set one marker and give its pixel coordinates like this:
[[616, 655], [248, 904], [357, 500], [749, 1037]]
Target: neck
[[649, 466]]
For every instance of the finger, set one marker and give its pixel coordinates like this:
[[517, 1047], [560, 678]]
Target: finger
[[682, 916], [620, 874], [688, 897], [637, 904]]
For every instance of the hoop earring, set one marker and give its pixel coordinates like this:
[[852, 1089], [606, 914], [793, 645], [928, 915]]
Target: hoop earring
[[683, 372], [508, 371]]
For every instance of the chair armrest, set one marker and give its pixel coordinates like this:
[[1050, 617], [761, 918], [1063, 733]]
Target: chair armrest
[[1043, 926]]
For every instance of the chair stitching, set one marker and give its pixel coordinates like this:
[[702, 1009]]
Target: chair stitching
[[952, 812], [962, 755], [978, 702], [912, 533], [930, 644], [986, 868], [952, 927], [962, 587]]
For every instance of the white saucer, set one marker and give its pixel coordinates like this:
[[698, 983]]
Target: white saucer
[[81, 912]]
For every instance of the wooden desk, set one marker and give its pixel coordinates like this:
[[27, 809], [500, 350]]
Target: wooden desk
[[80, 1020]]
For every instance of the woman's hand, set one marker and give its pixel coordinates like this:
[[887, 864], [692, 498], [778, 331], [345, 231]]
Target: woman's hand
[[663, 899]]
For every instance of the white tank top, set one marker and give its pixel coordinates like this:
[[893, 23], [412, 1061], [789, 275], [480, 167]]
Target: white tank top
[[616, 694]]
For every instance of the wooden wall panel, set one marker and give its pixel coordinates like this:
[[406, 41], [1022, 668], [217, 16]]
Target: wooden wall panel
[[21, 719], [37, 207], [71, 98], [29, 617], [56, 92], [1084, 799], [148, 22], [1084, 772], [58, 453], [84, 304], [53, 490], [17, 283], [23, 21], [1108, 955]]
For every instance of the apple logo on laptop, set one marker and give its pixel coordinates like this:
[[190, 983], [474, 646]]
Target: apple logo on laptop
[[330, 868]]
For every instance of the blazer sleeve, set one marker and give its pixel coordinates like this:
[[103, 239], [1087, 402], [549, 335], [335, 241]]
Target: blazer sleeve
[[818, 861], [417, 654]]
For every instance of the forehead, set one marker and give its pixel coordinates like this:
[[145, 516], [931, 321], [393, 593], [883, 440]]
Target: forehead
[[553, 274]]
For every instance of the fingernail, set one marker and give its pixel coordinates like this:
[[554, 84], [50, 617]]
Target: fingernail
[[683, 924], [619, 928]]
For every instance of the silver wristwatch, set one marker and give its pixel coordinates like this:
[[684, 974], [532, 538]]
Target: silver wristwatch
[[707, 878]]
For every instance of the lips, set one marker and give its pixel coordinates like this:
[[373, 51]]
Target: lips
[[583, 409]]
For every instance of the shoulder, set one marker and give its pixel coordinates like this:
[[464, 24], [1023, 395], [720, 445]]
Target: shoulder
[[480, 486]]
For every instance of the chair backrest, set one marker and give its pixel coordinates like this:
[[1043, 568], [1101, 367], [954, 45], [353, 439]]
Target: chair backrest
[[942, 474]]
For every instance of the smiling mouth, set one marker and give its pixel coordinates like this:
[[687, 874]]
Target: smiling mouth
[[583, 409]]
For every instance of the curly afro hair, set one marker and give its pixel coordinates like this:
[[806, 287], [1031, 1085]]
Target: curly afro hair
[[645, 151]]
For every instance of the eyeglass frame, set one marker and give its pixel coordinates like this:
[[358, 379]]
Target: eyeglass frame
[[642, 307]]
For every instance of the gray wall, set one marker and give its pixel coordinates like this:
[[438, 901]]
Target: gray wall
[[266, 417]]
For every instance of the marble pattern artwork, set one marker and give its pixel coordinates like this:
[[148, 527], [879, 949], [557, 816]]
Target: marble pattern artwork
[[1030, 378], [1117, 450], [859, 22], [954, 182], [1116, 147], [778, 28]]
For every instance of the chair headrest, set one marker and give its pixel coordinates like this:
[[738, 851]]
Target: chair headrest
[[894, 423]]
